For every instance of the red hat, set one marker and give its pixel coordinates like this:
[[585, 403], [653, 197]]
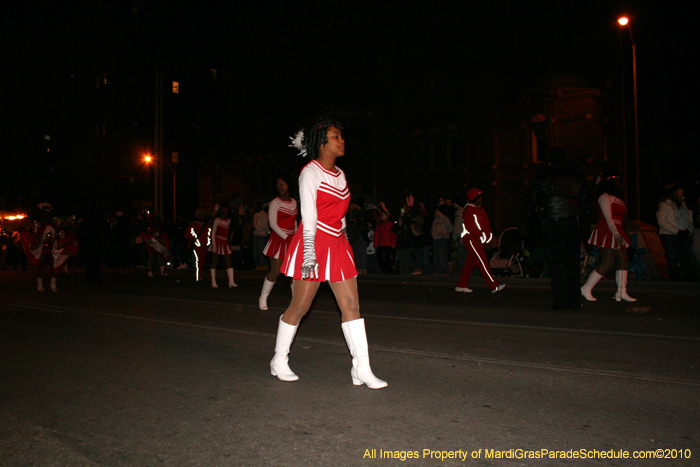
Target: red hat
[[473, 193]]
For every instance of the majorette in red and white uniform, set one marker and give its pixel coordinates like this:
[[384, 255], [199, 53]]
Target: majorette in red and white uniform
[[219, 239], [198, 235], [477, 232], [611, 210], [156, 241], [283, 222], [324, 201], [65, 246], [40, 242]]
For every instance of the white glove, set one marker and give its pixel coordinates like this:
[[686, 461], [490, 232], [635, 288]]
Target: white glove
[[309, 267]]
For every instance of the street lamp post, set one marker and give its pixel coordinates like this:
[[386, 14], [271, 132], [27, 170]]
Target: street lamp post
[[157, 187], [624, 21], [148, 159]]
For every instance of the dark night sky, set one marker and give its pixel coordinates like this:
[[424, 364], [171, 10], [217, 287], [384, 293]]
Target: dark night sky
[[362, 54]]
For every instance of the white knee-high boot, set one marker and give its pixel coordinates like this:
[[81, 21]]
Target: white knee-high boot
[[213, 278], [588, 286], [40, 284], [267, 288], [229, 272], [279, 365], [621, 294], [54, 288], [356, 338]]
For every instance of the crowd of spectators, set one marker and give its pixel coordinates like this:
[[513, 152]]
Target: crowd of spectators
[[419, 238]]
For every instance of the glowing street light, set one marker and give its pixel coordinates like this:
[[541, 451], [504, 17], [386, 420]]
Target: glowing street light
[[624, 22], [147, 158]]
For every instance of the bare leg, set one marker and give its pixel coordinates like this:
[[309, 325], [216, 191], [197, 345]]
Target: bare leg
[[303, 293], [622, 259], [348, 299], [275, 265], [607, 260]]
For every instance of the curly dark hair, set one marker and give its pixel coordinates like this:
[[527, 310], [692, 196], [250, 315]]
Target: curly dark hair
[[315, 135], [607, 183]]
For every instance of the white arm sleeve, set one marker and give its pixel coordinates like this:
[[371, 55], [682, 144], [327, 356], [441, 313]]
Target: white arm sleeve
[[605, 202], [274, 209], [308, 189]]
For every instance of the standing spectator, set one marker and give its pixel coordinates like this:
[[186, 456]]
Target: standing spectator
[[610, 238], [93, 234], [404, 235], [457, 233], [423, 238], [261, 232], [357, 233], [179, 243], [198, 234], [692, 195], [17, 257], [560, 199], [385, 242], [676, 230], [477, 232], [441, 232], [120, 237]]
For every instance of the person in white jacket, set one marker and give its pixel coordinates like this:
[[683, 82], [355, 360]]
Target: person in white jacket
[[676, 230]]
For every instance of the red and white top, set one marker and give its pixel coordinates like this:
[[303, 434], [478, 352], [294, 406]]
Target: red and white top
[[611, 210], [324, 201], [219, 239], [283, 222]]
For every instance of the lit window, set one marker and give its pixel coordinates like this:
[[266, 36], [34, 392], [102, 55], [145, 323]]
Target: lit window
[[176, 87], [213, 73]]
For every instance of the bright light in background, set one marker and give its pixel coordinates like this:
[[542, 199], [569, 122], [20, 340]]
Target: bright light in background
[[147, 158], [623, 21], [15, 218]]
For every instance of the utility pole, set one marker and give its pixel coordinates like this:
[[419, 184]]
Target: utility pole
[[158, 145]]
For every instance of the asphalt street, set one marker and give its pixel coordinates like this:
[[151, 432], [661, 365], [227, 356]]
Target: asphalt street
[[164, 371]]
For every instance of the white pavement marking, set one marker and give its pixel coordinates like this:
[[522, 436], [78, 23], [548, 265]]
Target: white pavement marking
[[425, 320], [422, 353]]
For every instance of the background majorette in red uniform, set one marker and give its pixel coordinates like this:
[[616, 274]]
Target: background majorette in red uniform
[[220, 231], [610, 238], [476, 232], [48, 247], [198, 235], [319, 251], [157, 244], [283, 222]]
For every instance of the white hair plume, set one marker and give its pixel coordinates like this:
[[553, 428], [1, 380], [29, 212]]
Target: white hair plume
[[297, 143]]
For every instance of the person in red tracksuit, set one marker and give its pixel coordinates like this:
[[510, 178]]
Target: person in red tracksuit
[[198, 234], [475, 233]]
